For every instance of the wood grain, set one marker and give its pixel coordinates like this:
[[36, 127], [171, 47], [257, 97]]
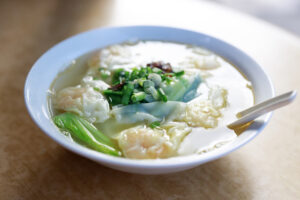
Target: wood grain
[[32, 166]]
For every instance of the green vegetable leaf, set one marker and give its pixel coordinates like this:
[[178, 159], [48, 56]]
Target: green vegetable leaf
[[86, 133]]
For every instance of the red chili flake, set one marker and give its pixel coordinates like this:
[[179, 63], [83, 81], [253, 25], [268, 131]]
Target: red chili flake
[[117, 87], [165, 67]]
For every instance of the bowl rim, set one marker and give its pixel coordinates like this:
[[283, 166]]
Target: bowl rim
[[179, 161]]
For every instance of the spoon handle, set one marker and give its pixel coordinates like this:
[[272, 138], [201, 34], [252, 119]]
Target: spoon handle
[[263, 108]]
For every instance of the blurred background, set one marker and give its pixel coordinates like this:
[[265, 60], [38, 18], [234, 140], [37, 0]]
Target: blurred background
[[283, 13]]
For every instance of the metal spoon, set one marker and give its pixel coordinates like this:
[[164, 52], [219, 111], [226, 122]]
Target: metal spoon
[[253, 112]]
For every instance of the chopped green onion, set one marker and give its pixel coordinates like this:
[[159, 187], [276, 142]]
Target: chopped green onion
[[136, 90], [134, 74], [96, 78], [127, 75], [111, 92], [149, 70], [96, 89], [117, 79], [127, 91], [114, 100], [155, 124], [142, 84], [180, 73], [118, 71], [122, 73], [162, 95], [139, 96], [114, 97], [141, 81], [120, 80], [157, 70], [105, 75], [155, 78], [148, 83], [143, 72], [151, 90], [168, 80], [149, 98]]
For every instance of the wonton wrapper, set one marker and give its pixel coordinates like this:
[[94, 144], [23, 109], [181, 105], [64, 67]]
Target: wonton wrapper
[[205, 112], [84, 101], [142, 142]]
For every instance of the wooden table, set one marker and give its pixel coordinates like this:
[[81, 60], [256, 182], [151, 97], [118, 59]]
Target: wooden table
[[32, 166]]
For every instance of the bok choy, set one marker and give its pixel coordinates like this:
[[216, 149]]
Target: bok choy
[[84, 132]]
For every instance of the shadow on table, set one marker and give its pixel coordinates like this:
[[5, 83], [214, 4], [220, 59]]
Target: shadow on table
[[69, 176]]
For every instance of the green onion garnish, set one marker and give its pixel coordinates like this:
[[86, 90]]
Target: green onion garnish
[[96, 89], [111, 92], [180, 73], [139, 96], [142, 84], [155, 124], [162, 95], [127, 91]]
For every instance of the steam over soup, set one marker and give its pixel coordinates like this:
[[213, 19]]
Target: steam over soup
[[149, 100]]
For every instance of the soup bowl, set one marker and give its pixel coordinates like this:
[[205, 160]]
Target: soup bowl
[[59, 57]]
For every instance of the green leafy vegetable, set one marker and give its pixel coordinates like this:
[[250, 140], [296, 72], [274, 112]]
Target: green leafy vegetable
[[84, 132]]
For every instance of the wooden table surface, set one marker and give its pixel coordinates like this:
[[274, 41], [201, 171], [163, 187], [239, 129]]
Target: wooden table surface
[[32, 166]]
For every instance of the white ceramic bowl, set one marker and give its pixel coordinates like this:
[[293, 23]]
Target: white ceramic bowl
[[61, 55]]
